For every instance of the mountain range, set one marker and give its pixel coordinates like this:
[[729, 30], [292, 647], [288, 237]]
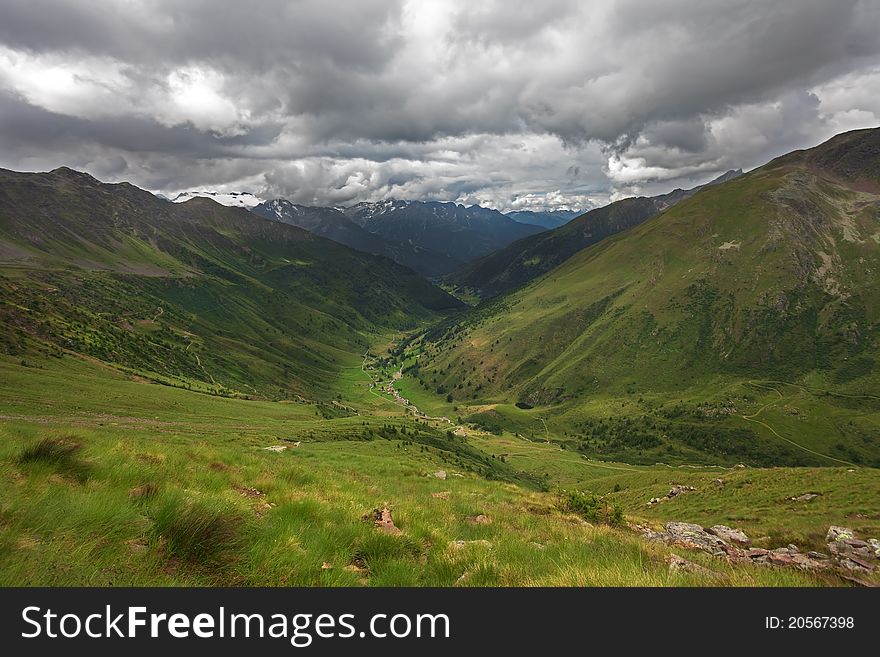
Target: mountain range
[[333, 224], [453, 230], [521, 261], [195, 394]]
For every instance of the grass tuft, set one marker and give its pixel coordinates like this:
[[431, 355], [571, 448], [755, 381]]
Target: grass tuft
[[198, 534], [58, 453]]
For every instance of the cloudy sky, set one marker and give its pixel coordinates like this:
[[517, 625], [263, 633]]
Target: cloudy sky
[[512, 104]]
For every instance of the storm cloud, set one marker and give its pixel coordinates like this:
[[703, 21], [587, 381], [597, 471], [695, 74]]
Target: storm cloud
[[515, 104]]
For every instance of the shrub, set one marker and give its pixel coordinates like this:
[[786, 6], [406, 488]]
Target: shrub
[[590, 507]]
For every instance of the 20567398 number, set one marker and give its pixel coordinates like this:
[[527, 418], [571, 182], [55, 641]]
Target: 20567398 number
[[811, 622]]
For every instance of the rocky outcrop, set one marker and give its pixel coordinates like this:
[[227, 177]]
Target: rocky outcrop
[[846, 553], [675, 491], [852, 553]]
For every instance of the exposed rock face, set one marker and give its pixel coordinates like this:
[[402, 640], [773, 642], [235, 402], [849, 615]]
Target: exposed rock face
[[850, 552], [845, 552]]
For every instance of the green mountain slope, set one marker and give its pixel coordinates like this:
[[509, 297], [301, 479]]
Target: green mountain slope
[[770, 276], [528, 258], [193, 294]]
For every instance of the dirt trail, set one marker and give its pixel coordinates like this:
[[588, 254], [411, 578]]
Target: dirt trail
[[751, 418]]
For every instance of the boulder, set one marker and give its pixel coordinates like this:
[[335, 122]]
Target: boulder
[[678, 490], [693, 536], [806, 497], [836, 533], [730, 535]]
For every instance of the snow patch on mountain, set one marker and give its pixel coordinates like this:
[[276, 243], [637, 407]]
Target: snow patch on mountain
[[232, 199]]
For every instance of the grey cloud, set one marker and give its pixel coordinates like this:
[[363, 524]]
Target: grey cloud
[[505, 103]]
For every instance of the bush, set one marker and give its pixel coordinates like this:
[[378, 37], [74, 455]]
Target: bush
[[590, 507]]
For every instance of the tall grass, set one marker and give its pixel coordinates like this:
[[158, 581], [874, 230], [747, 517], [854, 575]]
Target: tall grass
[[60, 454], [197, 533]]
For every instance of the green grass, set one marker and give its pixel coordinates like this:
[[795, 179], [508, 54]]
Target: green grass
[[181, 491], [753, 499]]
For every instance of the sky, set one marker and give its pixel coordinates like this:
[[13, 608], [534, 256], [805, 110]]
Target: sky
[[516, 105]]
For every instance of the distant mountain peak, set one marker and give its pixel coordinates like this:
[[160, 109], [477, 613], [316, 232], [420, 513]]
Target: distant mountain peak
[[231, 199]]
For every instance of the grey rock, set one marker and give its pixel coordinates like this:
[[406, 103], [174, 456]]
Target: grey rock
[[678, 490], [806, 497], [690, 535], [730, 535], [836, 533]]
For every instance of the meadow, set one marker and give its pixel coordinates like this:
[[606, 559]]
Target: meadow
[[113, 480]]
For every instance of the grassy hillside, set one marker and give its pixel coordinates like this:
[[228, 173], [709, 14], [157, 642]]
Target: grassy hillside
[[520, 262], [195, 294], [741, 324], [115, 481]]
